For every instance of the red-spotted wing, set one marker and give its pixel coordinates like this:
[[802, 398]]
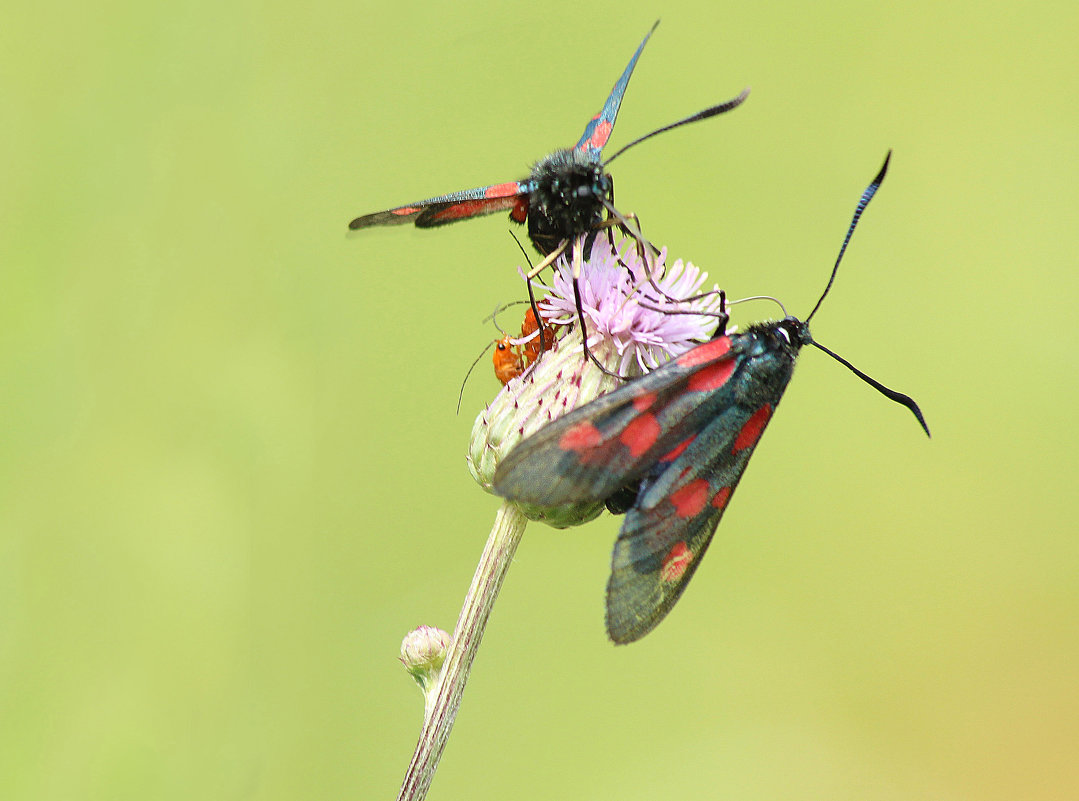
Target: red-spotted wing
[[678, 507], [668, 449], [682, 436], [598, 130], [450, 208], [483, 200], [567, 194]]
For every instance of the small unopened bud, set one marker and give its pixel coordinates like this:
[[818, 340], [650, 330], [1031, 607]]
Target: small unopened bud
[[422, 653]]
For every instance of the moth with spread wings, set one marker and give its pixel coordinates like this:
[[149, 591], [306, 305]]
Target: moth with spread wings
[[565, 195], [670, 447]]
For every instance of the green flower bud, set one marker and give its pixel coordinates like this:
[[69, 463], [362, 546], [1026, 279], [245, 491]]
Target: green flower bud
[[558, 383], [422, 653]]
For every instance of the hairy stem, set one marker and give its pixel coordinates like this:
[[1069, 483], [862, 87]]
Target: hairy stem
[[445, 697]]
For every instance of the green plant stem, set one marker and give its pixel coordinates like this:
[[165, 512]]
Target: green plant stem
[[445, 697]]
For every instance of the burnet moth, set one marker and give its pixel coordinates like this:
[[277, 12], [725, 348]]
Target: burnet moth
[[669, 448], [564, 196]]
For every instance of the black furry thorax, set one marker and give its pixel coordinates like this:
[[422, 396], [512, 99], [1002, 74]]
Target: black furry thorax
[[568, 188]]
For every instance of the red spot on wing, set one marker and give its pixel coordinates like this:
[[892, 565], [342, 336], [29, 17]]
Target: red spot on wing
[[675, 563], [600, 135], [643, 403], [641, 434], [712, 349], [502, 190], [580, 437], [719, 500], [678, 449], [712, 376], [691, 499], [752, 429], [406, 210]]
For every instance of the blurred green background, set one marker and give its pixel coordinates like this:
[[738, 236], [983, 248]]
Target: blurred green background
[[231, 476]]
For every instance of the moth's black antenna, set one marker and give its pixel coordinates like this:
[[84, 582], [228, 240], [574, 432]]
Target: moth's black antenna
[[867, 195], [700, 115], [898, 397]]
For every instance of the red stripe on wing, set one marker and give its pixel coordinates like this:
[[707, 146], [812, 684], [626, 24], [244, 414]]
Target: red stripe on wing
[[599, 136], [712, 376], [710, 350], [720, 499], [511, 189], [469, 208], [678, 449], [643, 402], [753, 428]]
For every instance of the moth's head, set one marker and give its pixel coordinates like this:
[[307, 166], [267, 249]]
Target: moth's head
[[794, 331]]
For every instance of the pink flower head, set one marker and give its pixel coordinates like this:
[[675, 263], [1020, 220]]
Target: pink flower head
[[634, 325], [622, 309]]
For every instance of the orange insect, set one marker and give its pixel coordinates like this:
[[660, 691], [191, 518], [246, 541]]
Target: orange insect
[[511, 359], [508, 360], [532, 347]]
